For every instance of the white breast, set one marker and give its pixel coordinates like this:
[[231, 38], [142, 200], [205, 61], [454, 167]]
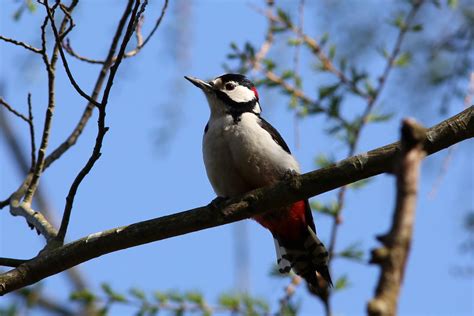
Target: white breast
[[242, 156]]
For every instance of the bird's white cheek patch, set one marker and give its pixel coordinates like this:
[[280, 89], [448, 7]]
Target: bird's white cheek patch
[[241, 94]]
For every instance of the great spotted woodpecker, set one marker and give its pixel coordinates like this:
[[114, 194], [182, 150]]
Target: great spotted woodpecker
[[243, 152]]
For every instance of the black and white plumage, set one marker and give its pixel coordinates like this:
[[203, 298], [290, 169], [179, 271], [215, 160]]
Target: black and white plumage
[[243, 152]]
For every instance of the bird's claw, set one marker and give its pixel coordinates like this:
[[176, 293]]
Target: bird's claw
[[289, 175]]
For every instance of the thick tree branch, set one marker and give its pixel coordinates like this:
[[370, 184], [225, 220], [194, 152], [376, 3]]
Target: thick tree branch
[[445, 134], [392, 257]]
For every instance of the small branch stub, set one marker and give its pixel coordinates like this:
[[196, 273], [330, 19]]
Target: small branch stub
[[393, 255]]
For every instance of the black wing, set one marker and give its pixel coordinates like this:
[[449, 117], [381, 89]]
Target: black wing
[[274, 133]]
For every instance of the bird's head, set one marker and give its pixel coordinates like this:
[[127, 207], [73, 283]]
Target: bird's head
[[229, 93]]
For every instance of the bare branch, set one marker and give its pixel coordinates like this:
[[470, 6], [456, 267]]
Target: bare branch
[[67, 46], [51, 71], [140, 43], [102, 129], [63, 57], [32, 133], [73, 137], [28, 120], [22, 44], [21, 163], [445, 134], [392, 257], [138, 32], [12, 110], [316, 49]]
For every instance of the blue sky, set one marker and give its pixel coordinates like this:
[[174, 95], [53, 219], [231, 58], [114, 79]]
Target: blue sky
[[136, 179]]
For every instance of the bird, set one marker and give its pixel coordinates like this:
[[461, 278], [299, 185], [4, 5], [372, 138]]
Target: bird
[[243, 152]]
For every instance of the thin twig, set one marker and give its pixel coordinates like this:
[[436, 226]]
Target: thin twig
[[28, 120], [63, 56], [288, 293], [22, 44], [77, 131], [316, 48], [34, 299], [367, 111], [12, 110], [392, 257], [157, 24], [67, 46], [51, 71], [138, 32], [32, 133], [380, 160], [102, 129]]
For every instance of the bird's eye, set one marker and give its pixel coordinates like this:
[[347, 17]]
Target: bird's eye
[[229, 86]]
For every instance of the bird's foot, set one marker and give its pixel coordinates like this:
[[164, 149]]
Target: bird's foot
[[291, 177]]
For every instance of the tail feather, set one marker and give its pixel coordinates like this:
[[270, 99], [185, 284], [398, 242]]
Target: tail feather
[[306, 259], [296, 243]]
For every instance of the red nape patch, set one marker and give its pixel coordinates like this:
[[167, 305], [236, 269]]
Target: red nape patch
[[255, 92], [291, 227]]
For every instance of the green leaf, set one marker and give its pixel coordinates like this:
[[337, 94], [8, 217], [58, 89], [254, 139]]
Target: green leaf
[[332, 52], [453, 4], [287, 74], [399, 21], [343, 64], [229, 301], [334, 106], [249, 49], [324, 39], [369, 88], [18, 13], [137, 293], [84, 296], [417, 28], [403, 60], [278, 29], [341, 283], [31, 6], [269, 64], [161, 297], [294, 41], [330, 209], [175, 296], [384, 52], [326, 91], [111, 294], [284, 17], [376, 118], [352, 252], [195, 297]]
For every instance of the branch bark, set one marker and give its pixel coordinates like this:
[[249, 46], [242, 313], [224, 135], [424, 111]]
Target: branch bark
[[445, 134], [393, 255]]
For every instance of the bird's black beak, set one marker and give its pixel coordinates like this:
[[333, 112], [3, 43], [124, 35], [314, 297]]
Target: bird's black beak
[[201, 84]]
